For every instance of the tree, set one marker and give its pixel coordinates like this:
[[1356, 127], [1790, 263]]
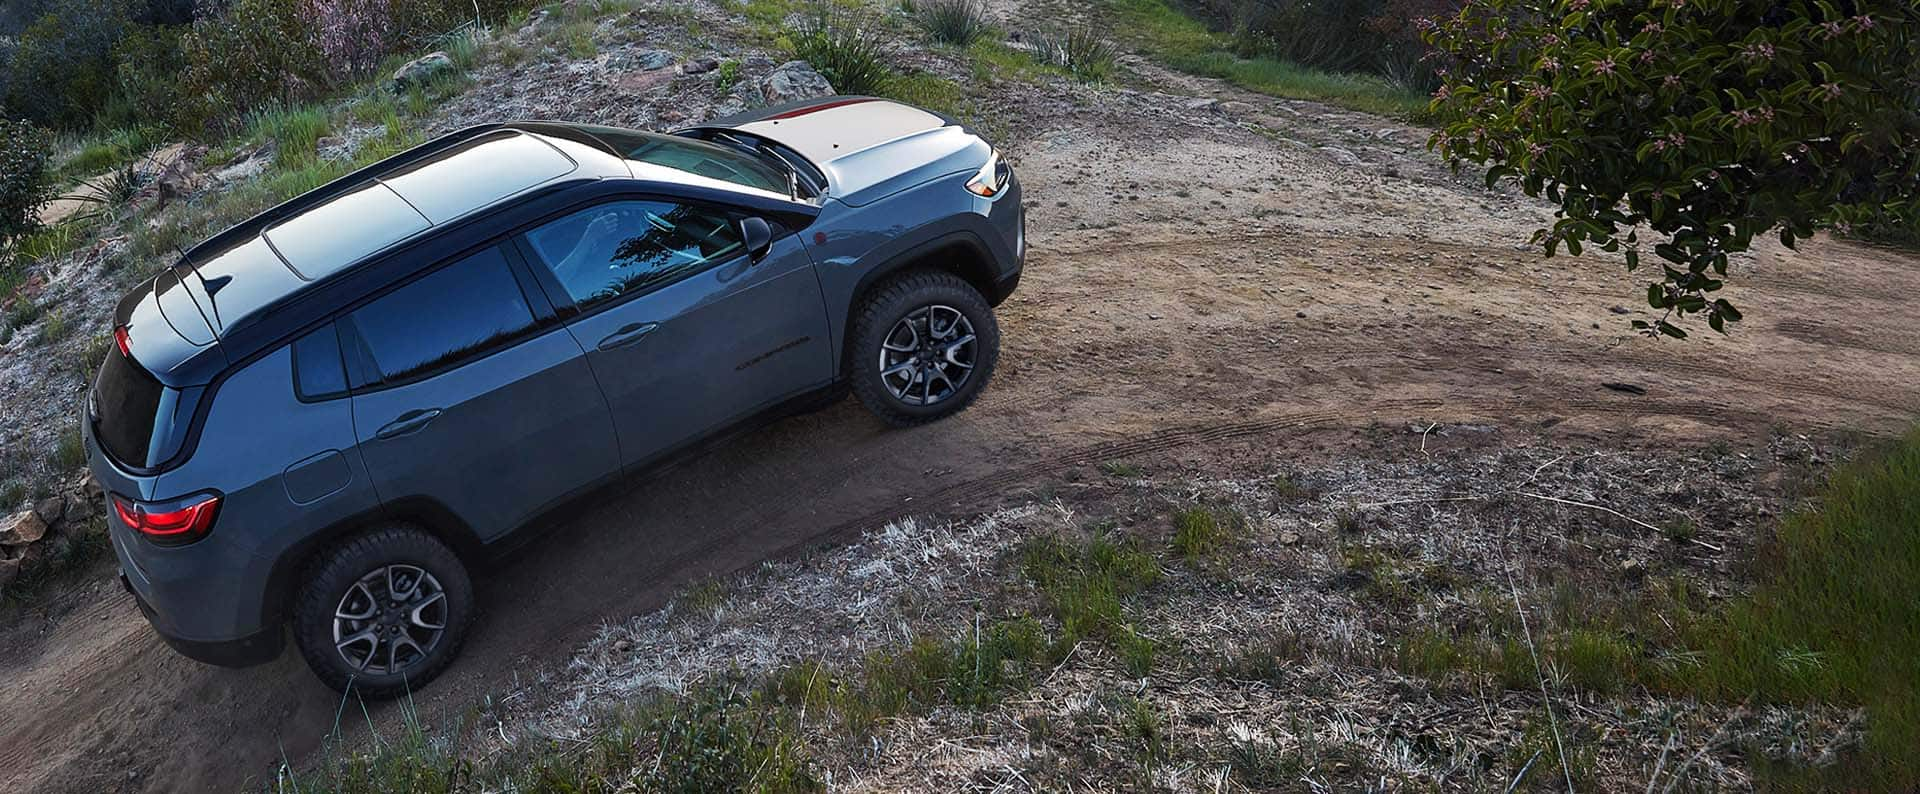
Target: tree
[[1706, 122]]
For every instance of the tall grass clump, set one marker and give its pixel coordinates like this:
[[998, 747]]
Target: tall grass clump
[[850, 55], [956, 22], [1083, 54], [1835, 616]]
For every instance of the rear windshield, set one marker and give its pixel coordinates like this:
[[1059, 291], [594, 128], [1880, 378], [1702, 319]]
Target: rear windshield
[[127, 406]]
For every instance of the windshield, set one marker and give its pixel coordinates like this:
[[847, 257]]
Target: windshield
[[697, 157]]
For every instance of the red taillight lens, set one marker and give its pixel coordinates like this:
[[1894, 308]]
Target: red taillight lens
[[120, 339], [172, 526]]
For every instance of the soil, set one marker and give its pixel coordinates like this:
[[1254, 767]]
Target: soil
[[1205, 286]]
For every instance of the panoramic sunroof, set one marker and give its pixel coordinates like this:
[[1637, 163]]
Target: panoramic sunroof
[[340, 232], [478, 173]]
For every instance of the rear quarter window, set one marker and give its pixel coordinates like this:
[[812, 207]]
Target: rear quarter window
[[318, 371], [439, 320]]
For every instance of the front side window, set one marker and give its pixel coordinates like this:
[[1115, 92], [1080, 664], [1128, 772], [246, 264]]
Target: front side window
[[629, 247], [449, 315]]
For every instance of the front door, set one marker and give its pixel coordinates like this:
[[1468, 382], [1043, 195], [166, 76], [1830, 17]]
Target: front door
[[462, 398], [685, 331]]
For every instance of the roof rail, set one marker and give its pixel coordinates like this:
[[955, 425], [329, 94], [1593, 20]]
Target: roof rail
[[251, 227]]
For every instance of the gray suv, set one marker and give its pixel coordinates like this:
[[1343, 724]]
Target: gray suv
[[322, 417]]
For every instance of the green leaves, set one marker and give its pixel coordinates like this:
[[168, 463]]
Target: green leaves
[[1705, 123]]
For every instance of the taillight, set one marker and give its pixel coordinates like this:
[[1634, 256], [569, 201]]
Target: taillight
[[120, 339], [170, 524]]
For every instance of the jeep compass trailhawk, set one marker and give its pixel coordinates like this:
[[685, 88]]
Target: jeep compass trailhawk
[[320, 416]]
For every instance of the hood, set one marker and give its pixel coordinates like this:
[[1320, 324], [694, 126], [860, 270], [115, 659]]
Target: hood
[[869, 148]]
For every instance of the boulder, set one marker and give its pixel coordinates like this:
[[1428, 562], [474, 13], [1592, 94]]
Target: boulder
[[21, 529], [421, 70], [700, 66], [793, 81], [50, 509]]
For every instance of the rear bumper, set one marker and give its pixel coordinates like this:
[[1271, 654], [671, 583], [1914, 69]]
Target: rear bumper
[[246, 651]]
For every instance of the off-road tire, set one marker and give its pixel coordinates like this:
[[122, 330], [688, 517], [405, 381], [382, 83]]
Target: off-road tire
[[889, 304], [331, 575]]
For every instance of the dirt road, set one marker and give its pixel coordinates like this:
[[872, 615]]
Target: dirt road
[[1275, 276]]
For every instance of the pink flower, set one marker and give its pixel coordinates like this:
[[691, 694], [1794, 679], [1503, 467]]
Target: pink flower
[[1550, 64], [1830, 91], [1577, 5], [1604, 65], [1670, 81], [1442, 92], [1535, 149], [1652, 27], [1759, 51], [1539, 91], [1646, 57], [1833, 29], [1863, 22]]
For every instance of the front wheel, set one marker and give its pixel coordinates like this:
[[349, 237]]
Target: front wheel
[[384, 612], [924, 346]]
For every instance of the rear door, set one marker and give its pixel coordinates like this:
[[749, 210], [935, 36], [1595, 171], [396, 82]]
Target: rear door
[[686, 332], [464, 395]]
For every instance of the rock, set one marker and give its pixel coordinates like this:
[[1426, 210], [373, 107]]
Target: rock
[[22, 528], [643, 81], [421, 70], [639, 60], [1341, 156], [89, 488], [1289, 538], [756, 62], [794, 81], [9, 571], [249, 166], [1200, 103], [1235, 108], [1633, 569], [622, 646], [50, 509], [700, 66]]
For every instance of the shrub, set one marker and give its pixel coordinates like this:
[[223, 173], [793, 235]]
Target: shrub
[[1082, 54], [1708, 124], [259, 52], [146, 78], [850, 56], [25, 185], [62, 67], [957, 22], [352, 35]]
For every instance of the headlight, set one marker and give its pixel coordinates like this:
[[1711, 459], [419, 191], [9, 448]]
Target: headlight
[[992, 177]]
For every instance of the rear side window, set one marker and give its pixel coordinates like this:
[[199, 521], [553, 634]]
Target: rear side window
[[453, 314], [318, 372], [126, 408], [628, 247]]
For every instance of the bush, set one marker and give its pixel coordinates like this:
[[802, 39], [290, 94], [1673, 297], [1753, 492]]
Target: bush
[[260, 52], [147, 63], [957, 22], [353, 35], [1082, 54], [850, 56], [25, 184], [61, 67], [1709, 124]]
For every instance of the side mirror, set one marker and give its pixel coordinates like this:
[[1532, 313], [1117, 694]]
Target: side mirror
[[758, 236]]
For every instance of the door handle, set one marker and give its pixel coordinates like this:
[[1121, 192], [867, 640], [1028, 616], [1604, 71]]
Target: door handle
[[410, 422], [627, 335]]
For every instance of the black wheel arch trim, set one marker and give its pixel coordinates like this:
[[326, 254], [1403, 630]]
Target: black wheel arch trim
[[428, 514]]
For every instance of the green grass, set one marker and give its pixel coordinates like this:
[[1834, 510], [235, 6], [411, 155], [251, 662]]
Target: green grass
[[1834, 617], [1122, 469], [1198, 532], [1283, 79], [1182, 42], [69, 452]]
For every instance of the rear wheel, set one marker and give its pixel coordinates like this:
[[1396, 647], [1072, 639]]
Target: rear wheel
[[384, 612], [924, 346]]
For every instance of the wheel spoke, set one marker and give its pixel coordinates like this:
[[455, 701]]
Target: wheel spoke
[[340, 612], [414, 615], [897, 368]]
